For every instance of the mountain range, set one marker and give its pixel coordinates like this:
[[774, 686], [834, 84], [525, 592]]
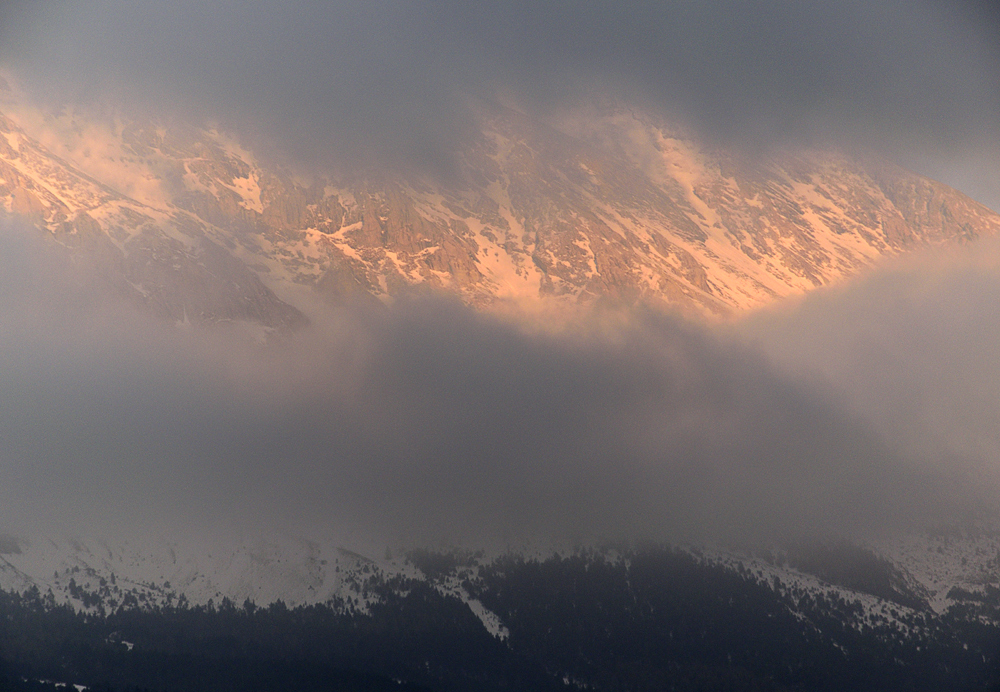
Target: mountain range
[[615, 207]]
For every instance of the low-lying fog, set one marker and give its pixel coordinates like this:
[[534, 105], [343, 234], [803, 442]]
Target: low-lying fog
[[863, 409]]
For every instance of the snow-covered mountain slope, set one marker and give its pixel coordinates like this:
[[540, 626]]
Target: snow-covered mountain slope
[[102, 575], [902, 584], [156, 570], [613, 206], [160, 258]]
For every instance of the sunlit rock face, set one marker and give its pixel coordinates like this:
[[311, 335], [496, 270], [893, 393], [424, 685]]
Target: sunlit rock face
[[614, 206]]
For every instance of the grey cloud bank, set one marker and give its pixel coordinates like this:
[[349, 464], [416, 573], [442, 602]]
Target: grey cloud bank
[[912, 349], [431, 423]]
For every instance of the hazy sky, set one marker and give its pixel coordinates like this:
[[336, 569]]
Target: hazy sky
[[377, 80], [429, 421]]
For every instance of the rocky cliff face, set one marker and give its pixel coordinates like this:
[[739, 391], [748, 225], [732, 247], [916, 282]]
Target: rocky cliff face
[[619, 208]]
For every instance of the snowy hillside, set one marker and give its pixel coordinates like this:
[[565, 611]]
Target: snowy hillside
[[904, 584]]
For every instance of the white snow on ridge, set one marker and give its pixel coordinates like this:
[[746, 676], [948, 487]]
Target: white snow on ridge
[[90, 574], [967, 560], [94, 574], [249, 191]]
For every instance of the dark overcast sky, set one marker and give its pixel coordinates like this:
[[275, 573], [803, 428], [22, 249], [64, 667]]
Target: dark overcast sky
[[381, 80]]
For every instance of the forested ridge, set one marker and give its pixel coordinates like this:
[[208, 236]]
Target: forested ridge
[[647, 619]]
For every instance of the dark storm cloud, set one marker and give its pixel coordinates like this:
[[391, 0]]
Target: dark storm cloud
[[427, 422], [377, 81]]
